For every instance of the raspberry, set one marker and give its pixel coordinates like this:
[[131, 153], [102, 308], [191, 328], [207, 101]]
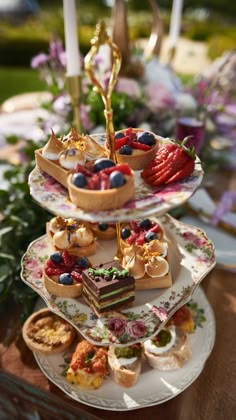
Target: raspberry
[[76, 276], [54, 271]]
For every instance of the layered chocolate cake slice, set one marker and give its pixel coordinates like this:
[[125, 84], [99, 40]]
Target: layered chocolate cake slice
[[108, 287]]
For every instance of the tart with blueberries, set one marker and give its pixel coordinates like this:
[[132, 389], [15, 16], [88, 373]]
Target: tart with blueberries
[[135, 147], [145, 254], [103, 186], [104, 230], [71, 235], [46, 332], [62, 274]]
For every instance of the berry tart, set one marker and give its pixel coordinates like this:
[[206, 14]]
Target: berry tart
[[71, 235], [145, 254], [60, 156], [103, 230], [62, 274], [46, 332], [135, 147], [103, 186]]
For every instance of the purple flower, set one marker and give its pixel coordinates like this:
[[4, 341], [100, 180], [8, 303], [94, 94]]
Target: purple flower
[[160, 312], [39, 60], [117, 325], [158, 97], [55, 48], [136, 329]]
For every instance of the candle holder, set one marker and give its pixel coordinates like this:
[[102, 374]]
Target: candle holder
[[101, 37], [171, 54], [74, 89]]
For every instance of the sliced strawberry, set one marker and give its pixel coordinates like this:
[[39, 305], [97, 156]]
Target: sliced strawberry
[[105, 182], [94, 183], [83, 170], [121, 142], [141, 238], [132, 238], [140, 146], [135, 226], [122, 167]]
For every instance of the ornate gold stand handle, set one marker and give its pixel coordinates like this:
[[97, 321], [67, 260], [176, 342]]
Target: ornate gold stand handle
[[101, 37]]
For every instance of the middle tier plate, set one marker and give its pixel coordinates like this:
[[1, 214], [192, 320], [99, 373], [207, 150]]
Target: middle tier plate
[[191, 259]]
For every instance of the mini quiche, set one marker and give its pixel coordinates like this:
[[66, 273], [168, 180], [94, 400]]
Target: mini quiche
[[88, 366], [45, 332]]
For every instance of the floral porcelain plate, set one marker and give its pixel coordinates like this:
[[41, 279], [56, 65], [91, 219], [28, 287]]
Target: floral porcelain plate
[[191, 256], [147, 200], [162, 386]]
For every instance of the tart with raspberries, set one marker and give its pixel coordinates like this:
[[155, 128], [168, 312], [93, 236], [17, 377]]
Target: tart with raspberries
[[103, 186], [138, 232], [135, 147], [62, 274]]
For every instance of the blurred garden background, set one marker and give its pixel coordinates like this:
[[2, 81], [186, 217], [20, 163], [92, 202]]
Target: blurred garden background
[[26, 30]]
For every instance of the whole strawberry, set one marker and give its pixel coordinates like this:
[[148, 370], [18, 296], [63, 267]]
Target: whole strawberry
[[173, 162]]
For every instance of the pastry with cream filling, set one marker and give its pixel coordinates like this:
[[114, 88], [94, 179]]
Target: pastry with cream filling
[[45, 332], [71, 235], [60, 156]]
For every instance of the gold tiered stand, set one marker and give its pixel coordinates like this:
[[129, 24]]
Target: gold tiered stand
[[100, 38]]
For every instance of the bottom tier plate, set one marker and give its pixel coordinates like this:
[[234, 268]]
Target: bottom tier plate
[[162, 386]]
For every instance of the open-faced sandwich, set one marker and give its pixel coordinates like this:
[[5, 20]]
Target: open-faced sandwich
[[88, 366], [125, 364], [45, 332], [168, 350]]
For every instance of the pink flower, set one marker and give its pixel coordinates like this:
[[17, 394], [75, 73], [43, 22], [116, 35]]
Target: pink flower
[[86, 123], [117, 325], [39, 60], [136, 329], [53, 186], [37, 274], [128, 86], [158, 97], [160, 312], [32, 264]]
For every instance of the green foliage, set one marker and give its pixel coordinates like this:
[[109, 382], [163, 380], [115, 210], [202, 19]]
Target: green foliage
[[22, 222], [218, 44]]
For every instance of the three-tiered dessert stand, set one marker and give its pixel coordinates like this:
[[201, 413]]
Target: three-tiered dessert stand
[[191, 256]]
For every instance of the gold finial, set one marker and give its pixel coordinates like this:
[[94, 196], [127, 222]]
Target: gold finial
[[101, 37]]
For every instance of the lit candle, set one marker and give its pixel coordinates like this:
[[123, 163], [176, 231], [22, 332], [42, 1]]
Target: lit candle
[[175, 22], [71, 38]]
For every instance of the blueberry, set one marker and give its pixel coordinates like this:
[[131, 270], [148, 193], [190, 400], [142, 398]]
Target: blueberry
[[82, 262], [79, 180], [147, 138], [56, 257], [119, 135], [145, 224], [126, 150], [102, 163], [125, 233], [102, 226], [117, 179], [66, 279], [150, 236]]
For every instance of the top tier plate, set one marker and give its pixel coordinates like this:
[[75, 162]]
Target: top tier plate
[[147, 200]]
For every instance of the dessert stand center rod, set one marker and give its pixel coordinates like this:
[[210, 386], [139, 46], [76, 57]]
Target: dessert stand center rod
[[101, 37], [73, 86]]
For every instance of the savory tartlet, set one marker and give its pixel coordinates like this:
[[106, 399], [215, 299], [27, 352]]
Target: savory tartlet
[[46, 332]]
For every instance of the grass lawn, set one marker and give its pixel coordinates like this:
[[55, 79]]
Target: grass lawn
[[18, 80]]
